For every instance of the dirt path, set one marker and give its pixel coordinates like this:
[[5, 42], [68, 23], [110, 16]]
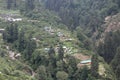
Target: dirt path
[[33, 74]]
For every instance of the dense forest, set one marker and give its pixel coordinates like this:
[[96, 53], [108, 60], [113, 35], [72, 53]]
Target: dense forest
[[59, 39]]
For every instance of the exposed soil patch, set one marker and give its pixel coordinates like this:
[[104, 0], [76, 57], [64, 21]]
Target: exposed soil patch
[[81, 56]]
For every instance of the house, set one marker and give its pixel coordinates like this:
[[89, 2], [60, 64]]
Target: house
[[46, 49], [83, 63], [86, 61], [2, 30], [60, 34], [17, 19], [34, 39], [17, 56], [47, 29], [69, 39], [13, 19]]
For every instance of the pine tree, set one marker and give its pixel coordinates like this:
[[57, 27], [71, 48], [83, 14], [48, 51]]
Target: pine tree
[[15, 3], [52, 61], [72, 62], [15, 32], [61, 53], [11, 33], [21, 45], [29, 5], [9, 4], [84, 73], [30, 47], [51, 52], [94, 65]]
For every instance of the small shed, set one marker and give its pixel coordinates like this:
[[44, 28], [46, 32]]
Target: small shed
[[86, 61]]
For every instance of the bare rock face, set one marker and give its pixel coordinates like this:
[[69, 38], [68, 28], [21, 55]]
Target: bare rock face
[[112, 23]]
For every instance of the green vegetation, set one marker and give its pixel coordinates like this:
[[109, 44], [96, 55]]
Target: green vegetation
[[40, 37]]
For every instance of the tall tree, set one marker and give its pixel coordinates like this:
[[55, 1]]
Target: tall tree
[[84, 73], [21, 41], [15, 32], [30, 47], [60, 53], [9, 4], [11, 33], [29, 5], [94, 65], [15, 3], [51, 52], [52, 61]]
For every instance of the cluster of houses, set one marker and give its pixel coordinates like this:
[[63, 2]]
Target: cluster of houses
[[60, 34], [64, 48], [37, 40], [64, 37], [10, 17], [13, 19], [49, 30]]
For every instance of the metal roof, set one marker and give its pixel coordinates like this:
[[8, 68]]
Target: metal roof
[[85, 61]]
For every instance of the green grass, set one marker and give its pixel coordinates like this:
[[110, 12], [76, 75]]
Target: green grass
[[9, 12]]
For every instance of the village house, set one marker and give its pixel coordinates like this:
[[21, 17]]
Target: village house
[[17, 56], [46, 49], [60, 34], [86, 61], [83, 63], [13, 19], [49, 30], [2, 30]]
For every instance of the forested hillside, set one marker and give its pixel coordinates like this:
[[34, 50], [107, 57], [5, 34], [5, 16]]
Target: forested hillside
[[59, 39]]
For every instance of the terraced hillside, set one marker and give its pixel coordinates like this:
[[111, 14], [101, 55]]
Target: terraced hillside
[[35, 44]]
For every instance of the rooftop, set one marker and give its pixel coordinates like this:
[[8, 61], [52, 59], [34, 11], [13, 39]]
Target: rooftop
[[86, 61]]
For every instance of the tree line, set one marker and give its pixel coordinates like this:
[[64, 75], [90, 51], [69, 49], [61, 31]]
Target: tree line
[[84, 13]]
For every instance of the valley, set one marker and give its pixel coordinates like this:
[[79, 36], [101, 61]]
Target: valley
[[59, 40]]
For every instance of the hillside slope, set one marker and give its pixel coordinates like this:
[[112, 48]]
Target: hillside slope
[[48, 49]]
